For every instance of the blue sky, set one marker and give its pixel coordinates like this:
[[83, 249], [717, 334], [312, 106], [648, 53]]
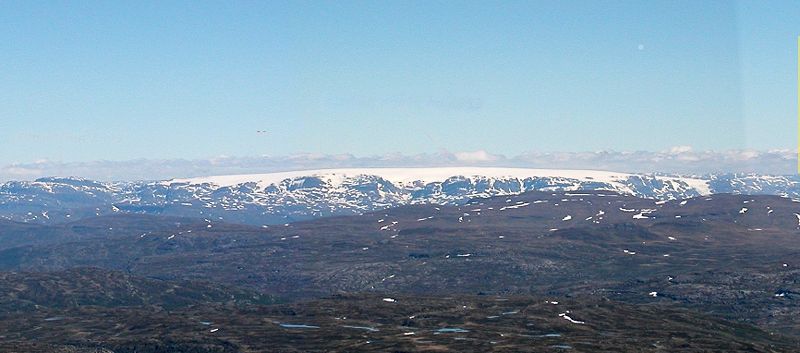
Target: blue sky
[[84, 81]]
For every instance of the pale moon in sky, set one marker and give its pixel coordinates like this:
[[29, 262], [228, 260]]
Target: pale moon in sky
[[641, 46]]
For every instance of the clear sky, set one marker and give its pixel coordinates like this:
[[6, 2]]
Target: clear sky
[[118, 80]]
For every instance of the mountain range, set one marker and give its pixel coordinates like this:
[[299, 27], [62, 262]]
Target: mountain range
[[277, 198]]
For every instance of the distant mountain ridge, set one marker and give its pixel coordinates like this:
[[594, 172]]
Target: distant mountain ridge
[[277, 198]]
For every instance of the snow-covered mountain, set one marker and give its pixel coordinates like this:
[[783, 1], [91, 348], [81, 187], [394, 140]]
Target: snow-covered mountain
[[288, 196]]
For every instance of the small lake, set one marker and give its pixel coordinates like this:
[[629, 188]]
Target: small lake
[[561, 346], [297, 326], [451, 330]]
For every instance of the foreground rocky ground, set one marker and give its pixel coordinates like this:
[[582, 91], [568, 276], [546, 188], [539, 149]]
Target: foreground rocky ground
[[388, 324], [716, 273]]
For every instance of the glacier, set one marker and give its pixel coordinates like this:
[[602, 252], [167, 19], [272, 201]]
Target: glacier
[[277, 198]]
